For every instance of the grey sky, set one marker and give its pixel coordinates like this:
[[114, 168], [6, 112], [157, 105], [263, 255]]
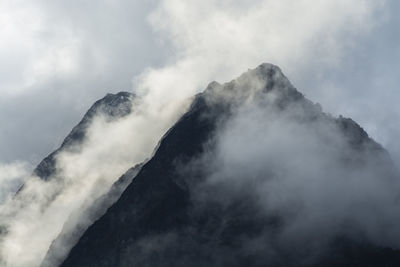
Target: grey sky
[[58, 57], [75, 53]]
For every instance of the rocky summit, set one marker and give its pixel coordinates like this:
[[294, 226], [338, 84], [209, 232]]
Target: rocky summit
[[112, 106]]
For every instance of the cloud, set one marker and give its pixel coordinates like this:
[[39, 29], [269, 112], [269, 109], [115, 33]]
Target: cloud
[[341, 54], [76, 51], [229, 36], [57, 58], [303, 169], [36, 216], [12, 177]]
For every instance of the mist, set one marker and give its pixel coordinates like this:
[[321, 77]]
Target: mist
[[286, 161], [205, 41], [310, 174]]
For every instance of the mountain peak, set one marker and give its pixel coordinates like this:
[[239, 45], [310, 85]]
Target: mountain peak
[[266, 77], [112, 106], [265, 81], [267, 68]]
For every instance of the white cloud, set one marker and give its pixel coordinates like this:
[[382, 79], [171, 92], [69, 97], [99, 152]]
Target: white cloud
[[12, 176], [56, 58]]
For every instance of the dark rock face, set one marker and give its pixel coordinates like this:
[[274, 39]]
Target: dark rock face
[[168, 216], [112, 106]]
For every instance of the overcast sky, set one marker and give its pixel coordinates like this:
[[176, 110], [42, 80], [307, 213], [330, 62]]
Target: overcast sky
[[58, 57]]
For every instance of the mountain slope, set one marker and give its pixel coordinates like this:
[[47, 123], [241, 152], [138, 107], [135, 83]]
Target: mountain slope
[[73, 229], [51, 200], [223, 187], [112, 106]]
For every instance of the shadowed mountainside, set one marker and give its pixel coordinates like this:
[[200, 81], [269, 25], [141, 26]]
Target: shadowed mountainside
[[176, 213]]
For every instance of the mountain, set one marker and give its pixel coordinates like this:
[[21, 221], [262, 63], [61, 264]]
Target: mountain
[[36, 203], [254, 174], [112, 106], [73, 230]]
